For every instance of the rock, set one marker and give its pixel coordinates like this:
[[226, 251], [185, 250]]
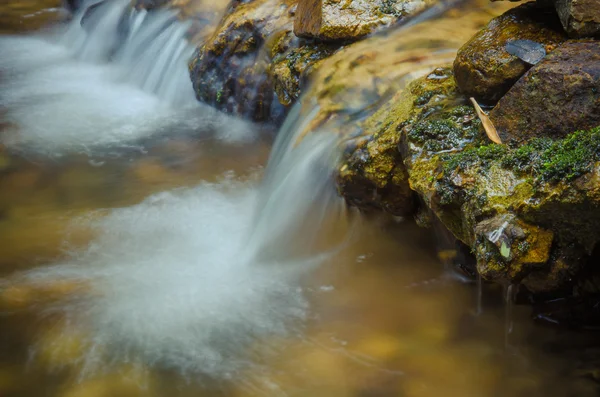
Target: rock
[[253, 59], [293, 60], [556, 97], [527, 213], [329, 20], [580, 18], [485, 70], [354, 94], [229, 70], [358, 79]]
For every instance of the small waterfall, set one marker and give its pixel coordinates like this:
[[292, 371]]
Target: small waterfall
[[479, 295], [190, 280], [112, 77], [299, 206], [150, 47]]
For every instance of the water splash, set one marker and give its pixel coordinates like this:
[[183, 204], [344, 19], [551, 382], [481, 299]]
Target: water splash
[[192, 279], [112, 76]]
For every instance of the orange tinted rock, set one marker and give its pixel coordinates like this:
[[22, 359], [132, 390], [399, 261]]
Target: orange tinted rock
[[350, 19]]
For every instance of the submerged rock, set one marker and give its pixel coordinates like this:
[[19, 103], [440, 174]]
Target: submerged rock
[[484, 68], [24, 15], [556, 97], [329, 20], [580, 18]]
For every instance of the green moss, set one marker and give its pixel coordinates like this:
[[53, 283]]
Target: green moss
[[440, 123], [571, 157], [482, 156], [545, 160], [389, 7]]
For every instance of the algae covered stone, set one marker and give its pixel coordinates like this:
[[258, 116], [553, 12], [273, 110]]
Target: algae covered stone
[[229, 70], [253, 65], [556, 97], [485, 70], [293, 61], [527, 213], [329, 20]]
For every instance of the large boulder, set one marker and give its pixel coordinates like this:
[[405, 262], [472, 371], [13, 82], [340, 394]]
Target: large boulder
[[328, 20], [485, 70], [558, 96], [528, 214]]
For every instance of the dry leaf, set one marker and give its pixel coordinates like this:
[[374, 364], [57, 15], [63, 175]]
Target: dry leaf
[[489, 128]]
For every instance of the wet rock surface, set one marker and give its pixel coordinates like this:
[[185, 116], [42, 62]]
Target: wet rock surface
[[528, 213], [292, 60], [331, 20], [253, 65], [354, 94], [556, 97], [484, 68]]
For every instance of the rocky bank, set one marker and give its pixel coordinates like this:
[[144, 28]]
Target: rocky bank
[[400, 95]]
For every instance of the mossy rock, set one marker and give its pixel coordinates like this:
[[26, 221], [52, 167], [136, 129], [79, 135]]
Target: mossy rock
[[229, 70], [529, 213], [333, 20], [485, 70], [253, 65], [559, 95], [293, 61], [374, 173]]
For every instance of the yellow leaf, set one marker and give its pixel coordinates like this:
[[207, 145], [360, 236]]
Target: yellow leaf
[[489, 128]]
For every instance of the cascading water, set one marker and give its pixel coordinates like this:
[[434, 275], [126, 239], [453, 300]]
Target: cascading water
[[187, 279], [110, 77], [190, 279]]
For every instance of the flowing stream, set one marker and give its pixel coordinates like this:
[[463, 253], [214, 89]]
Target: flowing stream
[[152, 246]]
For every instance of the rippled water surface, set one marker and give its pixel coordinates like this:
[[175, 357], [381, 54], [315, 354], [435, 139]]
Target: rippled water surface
[[127, 270]]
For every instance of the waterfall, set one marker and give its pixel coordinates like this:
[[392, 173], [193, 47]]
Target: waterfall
[[110, 77], [150, 47]]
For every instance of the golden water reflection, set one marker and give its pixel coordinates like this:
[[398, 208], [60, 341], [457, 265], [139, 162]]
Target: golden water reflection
[[384, 321]]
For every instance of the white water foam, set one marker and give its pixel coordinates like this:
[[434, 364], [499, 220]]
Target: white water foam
[[170, 287], [192, 279], [118, 77]]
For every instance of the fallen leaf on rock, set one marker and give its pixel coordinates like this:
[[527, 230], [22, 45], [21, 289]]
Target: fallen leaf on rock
[[488, 126]]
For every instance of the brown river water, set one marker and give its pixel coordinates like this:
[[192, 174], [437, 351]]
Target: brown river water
[[384, 316]]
